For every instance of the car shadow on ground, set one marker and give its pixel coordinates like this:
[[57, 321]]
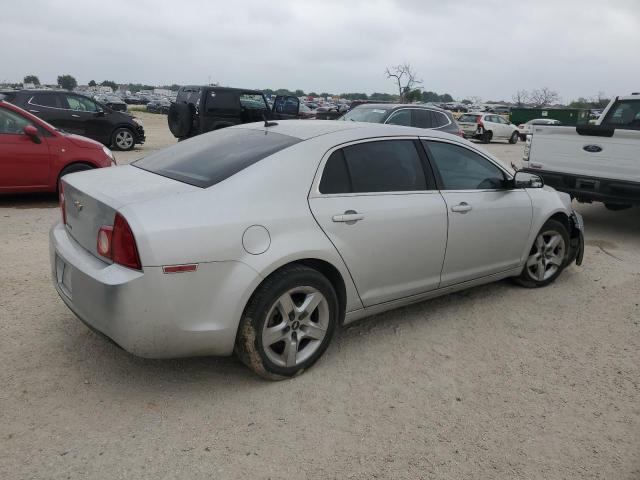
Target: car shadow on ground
[[30, 200]]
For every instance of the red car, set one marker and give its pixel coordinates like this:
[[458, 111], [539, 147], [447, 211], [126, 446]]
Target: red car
[[35, 155]]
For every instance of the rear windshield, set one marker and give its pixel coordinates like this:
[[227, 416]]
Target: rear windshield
[[468, 118], [366, 114], [213, 157]]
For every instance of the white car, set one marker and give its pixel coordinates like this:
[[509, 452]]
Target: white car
[[525, 129], [487, 127], [261, 239]]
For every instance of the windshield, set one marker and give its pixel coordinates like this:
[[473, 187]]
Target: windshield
[[213, 157], [366, 114]]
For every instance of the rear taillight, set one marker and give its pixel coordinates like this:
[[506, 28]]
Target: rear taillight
[[118, 243], [460, 133], [479, 121], [63, 209]]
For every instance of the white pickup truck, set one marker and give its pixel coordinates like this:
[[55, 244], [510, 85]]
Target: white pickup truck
[[598, 162]]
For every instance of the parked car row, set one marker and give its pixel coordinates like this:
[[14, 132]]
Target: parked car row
[[80, 115], [35, 155]]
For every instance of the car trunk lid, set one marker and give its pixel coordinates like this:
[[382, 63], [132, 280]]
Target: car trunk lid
[[92, 198]]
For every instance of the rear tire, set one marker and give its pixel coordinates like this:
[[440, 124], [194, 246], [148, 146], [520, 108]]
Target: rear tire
[[548, 256], [486, 137], [278, 338], [514, 138], [179, 119]]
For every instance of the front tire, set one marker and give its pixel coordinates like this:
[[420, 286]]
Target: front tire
[[76, 167], [616, 207], [123, 139], [288, 323], [514, 138], [548, 256]]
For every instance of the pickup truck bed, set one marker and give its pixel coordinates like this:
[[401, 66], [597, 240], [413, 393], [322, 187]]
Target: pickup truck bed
[[591, 163]]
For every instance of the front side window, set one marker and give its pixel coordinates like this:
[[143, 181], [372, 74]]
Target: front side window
[[81, 104], [208, 159], [380, 166], [462, 169], [11, 123], [50, 100], [439, 119], [401, 117], [624, 114]]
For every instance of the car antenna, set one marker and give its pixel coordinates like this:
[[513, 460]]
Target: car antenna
[[267, 123]]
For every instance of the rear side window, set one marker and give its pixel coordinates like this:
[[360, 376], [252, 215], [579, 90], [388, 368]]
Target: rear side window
[[335, 178], [624, 114], [211, 158], [217, 100], [401, 117], [423, 118], [51, 100], [440, 119], [381, 166]]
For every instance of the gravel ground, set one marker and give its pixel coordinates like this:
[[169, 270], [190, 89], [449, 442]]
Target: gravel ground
[[494, 382]]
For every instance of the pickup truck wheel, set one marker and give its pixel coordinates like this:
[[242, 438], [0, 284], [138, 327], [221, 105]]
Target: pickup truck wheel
[[614, 207], [548, 256], [514, 138], [486, 137], [123, 139]]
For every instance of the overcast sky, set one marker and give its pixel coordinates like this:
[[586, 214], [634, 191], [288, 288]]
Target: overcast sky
[[487, 49]]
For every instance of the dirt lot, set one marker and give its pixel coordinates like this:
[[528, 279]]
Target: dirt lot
[[495, 382]]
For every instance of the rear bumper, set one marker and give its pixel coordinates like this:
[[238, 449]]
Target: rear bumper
[[140, 137], [148, 313], [589, 189]]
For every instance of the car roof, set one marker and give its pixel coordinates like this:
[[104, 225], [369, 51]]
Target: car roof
[[228, 89], [306, 129], [394, 106]]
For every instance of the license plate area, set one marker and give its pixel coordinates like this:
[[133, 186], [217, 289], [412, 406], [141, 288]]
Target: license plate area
[[63, 277]]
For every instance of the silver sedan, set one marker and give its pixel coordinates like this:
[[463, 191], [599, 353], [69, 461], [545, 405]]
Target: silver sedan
[[261, 239]]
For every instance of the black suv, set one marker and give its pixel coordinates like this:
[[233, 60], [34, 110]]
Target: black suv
[[410, 115], [80, 115], [200, 109]]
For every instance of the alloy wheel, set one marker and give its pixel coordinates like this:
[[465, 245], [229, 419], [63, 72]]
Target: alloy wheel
[[124, 139], [547, 255], [296, 326]]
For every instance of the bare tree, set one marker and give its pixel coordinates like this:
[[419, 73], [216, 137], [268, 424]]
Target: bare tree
[[544, 96], [600, 100], [405, 77], [521, 97]]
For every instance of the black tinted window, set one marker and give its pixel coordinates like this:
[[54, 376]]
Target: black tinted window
[[46, 100], [439, 119], [222, 100], [213, 157], [335, 177], [385, 166], [462, 169], [422, 118]]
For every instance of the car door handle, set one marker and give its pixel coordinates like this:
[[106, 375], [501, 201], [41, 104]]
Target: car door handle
[[463, 207], [350, 217], [75, 116]]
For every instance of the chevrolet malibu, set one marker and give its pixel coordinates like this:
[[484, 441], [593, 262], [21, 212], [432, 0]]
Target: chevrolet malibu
[[261, 239]]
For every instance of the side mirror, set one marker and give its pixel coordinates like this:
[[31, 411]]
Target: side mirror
[[32, 132], [527, 180], [100, 113]]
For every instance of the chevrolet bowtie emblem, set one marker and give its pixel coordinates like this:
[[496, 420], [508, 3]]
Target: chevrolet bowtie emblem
[[78, 205]]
